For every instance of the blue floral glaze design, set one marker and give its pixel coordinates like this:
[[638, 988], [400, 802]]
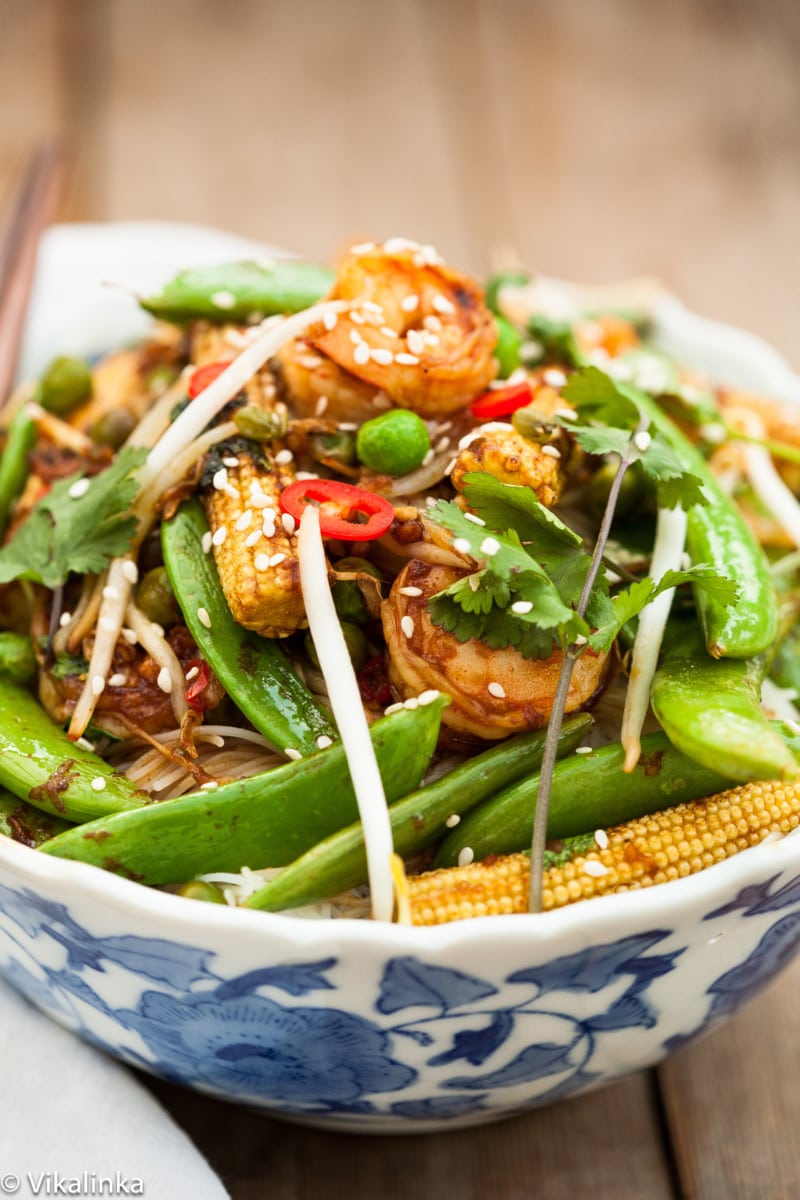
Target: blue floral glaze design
[[426, 1042]]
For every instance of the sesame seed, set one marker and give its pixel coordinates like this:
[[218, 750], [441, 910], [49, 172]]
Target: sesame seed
[[98, 685], [393, 708], [554, 378], [569, 413], [164, 680], [253, 537], [291, 753], [406, 360], [110, 593], [474, 518], [442, 444], [283, 457], [262, 562], [642, 440], [288, 522], [130, 636], [461, 545], [230, 461], [306, 475], [191, 674], [466, 856], [244, 521], [130, 571], [355, 337], [410, 591], [551, 451], [496, 689], [310, 361], [98, 784], [79, 488], [361, 354], [107, 625], [428, 457], [415, 341], [434, 325], [329, 320], [490, 546], [522, 607], [584, 750], [276, 559], [84, 743], [362, 248], [347, 426], [453, 820], [601, 838], [65, 619], [322, 404], [259, 500], [594, 868], [449, 468], [389, 333], [323, 741], [357, 317], [411, 703], [203, 617], [117, 679], [209, 785], [428, 697], [407, 626], [219, 535], [223, 299], [473, 582], [382, 357], [206, 542], [410, 304], [580, 640], [371, 306], [220, 478]]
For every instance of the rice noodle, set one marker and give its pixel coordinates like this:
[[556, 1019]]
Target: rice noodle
[[157, 418], [162, 654], [116, 595]]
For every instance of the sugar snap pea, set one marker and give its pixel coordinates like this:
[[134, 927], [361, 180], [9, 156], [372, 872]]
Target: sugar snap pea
[[254, 670], [23, 823], [14, 462], [266, 820], [418, 820], [40, 764], [709, 708], [17, 659], [239, 290]]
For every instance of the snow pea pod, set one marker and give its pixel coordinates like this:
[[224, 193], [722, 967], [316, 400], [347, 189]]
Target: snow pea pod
[[40, 764], [17, 659], [268, 819], [709, 708], [14, 463], [240, 290], [23, 823], [718, 534], [254, 670], [418, 821]]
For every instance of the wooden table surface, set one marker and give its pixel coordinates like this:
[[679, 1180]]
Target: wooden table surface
[[594, 141]]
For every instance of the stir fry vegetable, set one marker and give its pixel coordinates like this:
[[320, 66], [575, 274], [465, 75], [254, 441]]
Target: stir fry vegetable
[[338, 563]]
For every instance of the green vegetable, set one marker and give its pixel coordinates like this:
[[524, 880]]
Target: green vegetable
[[254, 670], [394, 443], [333, 448], [355, 641], [785, 667], [260, 425], [14, 463], [17, 659], [266, 820], [556, 340], [588, 791], [156, 599], [113, 428], [241, 290], [66, 383], [493, 287], [507, 349], [79, 525], [199, 889], [23, 823], [40, 764], [347, 595], [710, 710], [418, 821]]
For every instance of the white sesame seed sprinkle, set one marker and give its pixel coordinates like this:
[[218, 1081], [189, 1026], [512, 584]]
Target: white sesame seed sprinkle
[[283, 457], [382, 357], [98, 685], [551, 451], [361, 354], [223, 299], [428, 457], [329, 321], [253, 537], [554, 378], [357, 317], [65, 619], [291, 753], [362, 248], [642, 440], [569, 413], [466, 856], [601, 838], [262, 562], [496, 689], [79, 488], [230, 461], [407, 626], [322, 404], [474, 518], [432, 323], [84, 743], [406, 360], [355, 337], [594, 868], [130, 571], [580, 640], [164, 680], [393, 708], [323, 741], [310, 361], [117, 679], [473, 582], [522, 607], [219, 535], [244, 521], [371, 306], [131, 637], [584, 750], [203, 617], [442, 444], [410, 303], [288, 522], [461, 545], [415, 341], [191, 674], [205, 542], [209, 785], [449, 468], [453, 820], [490, 547], [410, 591], [110, 593], [306, 475], [276, 559], [428, 697], [389, 333], [98, 784], [411, 703], [443, 305]]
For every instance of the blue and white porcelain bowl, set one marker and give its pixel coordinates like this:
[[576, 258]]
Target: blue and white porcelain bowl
[[351, 1024]]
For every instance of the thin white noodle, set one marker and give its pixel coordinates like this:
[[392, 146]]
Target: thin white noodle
[[348, 712], [175, 471], [112, 610], [162, 654], [156, 419]]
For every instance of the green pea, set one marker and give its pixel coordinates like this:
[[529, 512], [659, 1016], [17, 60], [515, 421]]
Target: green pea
[[332, 448], [156, 599], [199, 889], [394, 443], [113, 428], [507, 349], [66, 383]]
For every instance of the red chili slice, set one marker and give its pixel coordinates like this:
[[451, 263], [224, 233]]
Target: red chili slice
[[501, 401], [200, 379], [346, 512], [194, 694]]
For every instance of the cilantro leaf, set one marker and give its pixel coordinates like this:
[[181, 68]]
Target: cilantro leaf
[[596, 397], [556, 339], [511, 506], [66, 533]]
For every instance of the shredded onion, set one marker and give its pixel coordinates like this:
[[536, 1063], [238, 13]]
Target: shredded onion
[[348, 712]]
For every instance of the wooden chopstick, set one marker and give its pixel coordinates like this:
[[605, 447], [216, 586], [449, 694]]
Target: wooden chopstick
[[33, 205]]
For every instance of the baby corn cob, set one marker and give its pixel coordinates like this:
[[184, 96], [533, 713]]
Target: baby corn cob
[[254, 553], [667, 845]]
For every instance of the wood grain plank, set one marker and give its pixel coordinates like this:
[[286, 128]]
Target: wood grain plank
[[733, 1103], [606, 1144], [30, 88], [658, 139]]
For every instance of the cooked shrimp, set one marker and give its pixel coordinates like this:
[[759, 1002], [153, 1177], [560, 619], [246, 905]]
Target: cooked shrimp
[[416, 328], [494, 692], [500, 451], [314, 386]]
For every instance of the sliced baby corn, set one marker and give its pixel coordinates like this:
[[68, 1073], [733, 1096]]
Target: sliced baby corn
[[668, 845]]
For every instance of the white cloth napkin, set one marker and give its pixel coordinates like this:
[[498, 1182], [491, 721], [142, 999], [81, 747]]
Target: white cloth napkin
[[67, 1111]]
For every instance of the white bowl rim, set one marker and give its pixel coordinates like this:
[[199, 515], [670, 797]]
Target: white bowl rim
[[606, 915]]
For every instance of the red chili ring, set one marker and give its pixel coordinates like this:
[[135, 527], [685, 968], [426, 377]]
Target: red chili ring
[[338, 504]]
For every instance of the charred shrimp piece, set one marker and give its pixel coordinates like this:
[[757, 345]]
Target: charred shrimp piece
[[313, 385], [494, 692], [254, 550]]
